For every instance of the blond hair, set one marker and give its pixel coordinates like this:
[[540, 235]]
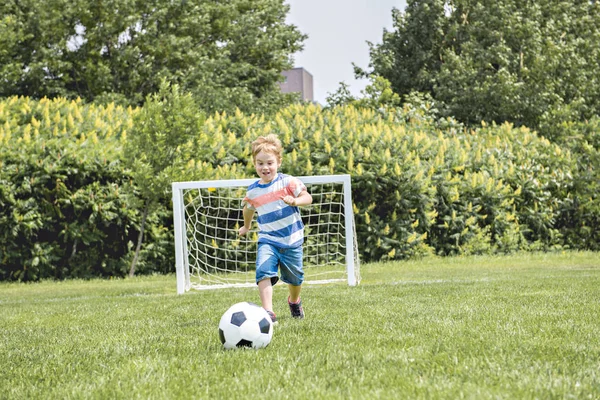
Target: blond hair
[[269, 144]]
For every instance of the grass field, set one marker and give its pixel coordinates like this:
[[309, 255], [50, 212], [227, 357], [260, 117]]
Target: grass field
[[514, 327]]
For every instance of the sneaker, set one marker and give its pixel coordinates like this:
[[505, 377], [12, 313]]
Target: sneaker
[[273, 317], [296, 309]]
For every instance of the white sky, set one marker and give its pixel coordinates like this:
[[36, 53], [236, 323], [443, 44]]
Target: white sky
[[338, 31]]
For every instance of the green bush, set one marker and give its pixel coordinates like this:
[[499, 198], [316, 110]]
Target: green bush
[[579, 213], [64, 195], [68, 205], [420, 185]]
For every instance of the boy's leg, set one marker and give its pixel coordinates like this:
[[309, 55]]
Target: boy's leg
[[292, 273], [267, 262], [294, 293], [295, 302], [265, 292]]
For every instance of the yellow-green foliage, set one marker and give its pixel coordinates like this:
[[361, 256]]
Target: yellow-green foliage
[[419, 186], [66, 199], [23, 120], [417, 189]]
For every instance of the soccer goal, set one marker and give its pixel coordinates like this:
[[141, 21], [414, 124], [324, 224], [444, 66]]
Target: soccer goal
[[210, 253]]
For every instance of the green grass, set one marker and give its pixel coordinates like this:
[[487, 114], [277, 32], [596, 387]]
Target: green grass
[[525, 326]]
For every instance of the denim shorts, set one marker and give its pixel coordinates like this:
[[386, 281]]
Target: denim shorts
[[270, 258]]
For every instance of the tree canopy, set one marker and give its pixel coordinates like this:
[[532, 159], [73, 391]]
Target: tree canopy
[[227, 54], [533, 63]]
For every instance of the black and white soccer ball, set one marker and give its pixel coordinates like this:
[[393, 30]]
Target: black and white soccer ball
[[245, 325]]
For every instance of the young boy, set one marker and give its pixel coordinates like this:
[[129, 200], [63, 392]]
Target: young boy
[[276, 198]]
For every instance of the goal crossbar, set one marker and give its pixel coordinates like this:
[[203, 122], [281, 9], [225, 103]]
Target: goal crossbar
[[205, 239]]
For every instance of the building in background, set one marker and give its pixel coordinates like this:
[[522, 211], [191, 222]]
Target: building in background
[[298, 80]]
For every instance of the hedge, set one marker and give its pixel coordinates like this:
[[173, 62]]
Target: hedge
[[420, 186]]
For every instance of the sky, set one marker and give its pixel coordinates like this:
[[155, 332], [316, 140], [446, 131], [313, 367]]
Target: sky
[[338, 32]]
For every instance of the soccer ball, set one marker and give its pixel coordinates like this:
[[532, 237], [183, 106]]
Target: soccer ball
[[245, 325]]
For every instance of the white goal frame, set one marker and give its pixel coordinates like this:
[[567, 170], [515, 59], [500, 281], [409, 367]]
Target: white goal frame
[[182, 258]]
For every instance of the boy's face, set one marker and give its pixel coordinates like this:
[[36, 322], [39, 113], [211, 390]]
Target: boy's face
[[266, 165]]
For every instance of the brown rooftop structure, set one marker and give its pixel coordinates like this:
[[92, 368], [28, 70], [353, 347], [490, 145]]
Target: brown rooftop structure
[[298, 80]]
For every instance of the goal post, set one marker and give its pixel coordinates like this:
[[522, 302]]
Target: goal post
[[209, 253]]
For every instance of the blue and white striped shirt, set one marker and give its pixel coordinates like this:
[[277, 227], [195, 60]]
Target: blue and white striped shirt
[[278, 223]]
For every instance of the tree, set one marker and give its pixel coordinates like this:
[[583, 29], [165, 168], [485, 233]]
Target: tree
[[533, 63], [228, 54], [409, 54], [378, 93], [162, 130]]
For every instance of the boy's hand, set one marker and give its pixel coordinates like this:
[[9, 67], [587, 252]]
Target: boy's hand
[[289, 200], [243, 230]]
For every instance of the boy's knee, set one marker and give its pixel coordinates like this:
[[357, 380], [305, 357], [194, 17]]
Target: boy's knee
[[262, 277]]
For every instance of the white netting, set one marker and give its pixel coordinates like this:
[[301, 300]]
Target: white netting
[[216, 255]]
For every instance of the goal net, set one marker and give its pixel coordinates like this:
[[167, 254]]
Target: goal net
[[210, 253]]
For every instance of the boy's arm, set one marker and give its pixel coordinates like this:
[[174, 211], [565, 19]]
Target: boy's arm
[[303, 199], [248, 216]]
